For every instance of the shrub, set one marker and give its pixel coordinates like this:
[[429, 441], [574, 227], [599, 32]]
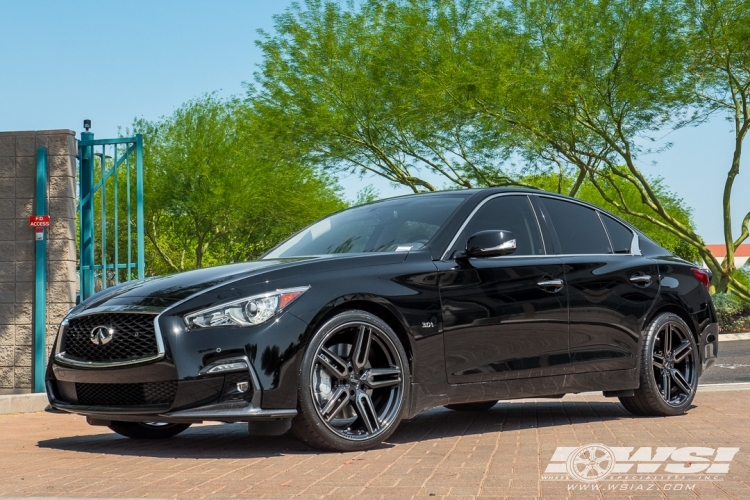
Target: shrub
[[734, 314]]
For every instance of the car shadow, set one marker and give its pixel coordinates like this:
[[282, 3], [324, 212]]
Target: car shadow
[[232, 440]]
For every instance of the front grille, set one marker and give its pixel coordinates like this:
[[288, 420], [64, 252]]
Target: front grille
[[151, 393], [134, 337]]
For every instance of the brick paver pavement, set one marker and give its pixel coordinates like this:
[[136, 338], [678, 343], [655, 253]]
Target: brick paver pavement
[[501, 453]]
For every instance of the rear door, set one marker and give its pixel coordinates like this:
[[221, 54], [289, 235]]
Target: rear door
[[610, 286], [499, 322]]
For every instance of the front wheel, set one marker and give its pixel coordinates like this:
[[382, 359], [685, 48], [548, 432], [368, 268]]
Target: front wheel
[[354, 382], [147, 430], [669, 369]]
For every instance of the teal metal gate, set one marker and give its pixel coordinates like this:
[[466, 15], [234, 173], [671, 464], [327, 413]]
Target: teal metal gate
[[111, 238]]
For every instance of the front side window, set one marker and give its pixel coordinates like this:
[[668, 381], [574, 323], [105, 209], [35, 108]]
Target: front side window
[[396, 225], [506, 213], [578, 228]]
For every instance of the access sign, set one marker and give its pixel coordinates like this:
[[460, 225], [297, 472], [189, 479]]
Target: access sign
[[39, 221]]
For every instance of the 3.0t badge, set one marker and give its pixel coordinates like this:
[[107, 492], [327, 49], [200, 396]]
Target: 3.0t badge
[[102, 335]]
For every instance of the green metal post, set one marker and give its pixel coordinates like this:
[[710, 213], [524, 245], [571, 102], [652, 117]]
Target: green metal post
[[103, 222], [116, 231], [40, 272], [139, 204], [130, 230], [86, 179]]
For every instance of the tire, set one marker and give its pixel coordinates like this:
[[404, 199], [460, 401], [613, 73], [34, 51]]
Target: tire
[[678, 370], [147, 430], [354, 384], [478, 406]]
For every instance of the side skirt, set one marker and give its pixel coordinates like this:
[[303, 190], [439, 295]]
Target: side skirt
[[615, 380]]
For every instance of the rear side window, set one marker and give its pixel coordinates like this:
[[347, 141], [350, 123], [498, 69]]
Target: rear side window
[[578, 228], [507, 213], [620, 236]]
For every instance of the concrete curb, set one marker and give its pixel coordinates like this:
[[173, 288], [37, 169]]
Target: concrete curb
[[735, 386], [726, 337], [23, 403]]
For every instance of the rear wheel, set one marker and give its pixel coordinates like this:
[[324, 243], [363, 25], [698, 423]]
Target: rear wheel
[[669, 369], [479, 406], [354, 382], [147, 430]]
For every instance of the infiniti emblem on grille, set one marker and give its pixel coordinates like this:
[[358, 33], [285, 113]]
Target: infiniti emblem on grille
[[101, 335]]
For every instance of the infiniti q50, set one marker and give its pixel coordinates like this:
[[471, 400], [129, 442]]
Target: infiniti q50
[[381, 311]]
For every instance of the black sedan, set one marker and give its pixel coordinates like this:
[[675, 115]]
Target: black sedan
[[376, 313]]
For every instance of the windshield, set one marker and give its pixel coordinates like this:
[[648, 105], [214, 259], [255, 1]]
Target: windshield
[[396, 225]]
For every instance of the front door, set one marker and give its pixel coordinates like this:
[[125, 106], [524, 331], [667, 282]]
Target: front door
[[504, 317]]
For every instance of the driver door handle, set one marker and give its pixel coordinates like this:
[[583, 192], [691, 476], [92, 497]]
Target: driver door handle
[[551, 285]]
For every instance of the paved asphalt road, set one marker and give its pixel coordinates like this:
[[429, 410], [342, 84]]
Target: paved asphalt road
[[733, 364]]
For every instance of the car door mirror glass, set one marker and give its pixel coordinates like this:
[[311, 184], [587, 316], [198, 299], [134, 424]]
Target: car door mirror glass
[[491, 244]]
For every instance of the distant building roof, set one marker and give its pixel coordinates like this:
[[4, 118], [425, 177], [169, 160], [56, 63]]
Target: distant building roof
[[720, 250]]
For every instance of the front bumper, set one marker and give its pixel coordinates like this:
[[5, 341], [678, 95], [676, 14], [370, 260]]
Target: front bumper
[[261, 383]]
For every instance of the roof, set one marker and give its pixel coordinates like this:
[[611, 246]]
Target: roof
[[720, 250]]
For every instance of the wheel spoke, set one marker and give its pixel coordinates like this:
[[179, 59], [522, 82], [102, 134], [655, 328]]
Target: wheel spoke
[[683, 384], [667, 340], [681, 351], [338, 401], [334, 364], [375, 378], [667, 386], [658, 361], [361, 351], [366, 410]]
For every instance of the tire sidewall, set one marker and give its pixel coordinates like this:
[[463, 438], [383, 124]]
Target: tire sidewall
[[306, 404]]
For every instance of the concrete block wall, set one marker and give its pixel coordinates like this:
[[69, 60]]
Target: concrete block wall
[[17, 191]]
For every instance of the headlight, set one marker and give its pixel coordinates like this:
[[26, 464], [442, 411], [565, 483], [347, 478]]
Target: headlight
[[245, 312]]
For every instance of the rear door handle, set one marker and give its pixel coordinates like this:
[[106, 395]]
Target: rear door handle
[[641, 279], [551, 285]]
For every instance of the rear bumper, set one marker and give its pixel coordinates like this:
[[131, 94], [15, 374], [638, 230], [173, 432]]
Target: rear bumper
[[708, 345]]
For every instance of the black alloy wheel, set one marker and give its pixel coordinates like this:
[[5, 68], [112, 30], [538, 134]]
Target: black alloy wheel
[[354, 382], [478, 406], [669, 369], [147, 430]]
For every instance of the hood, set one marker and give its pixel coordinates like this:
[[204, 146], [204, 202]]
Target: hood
[[165, 291]]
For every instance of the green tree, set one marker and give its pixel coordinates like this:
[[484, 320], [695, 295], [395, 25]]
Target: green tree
[[488, 93], [720, 43], [214, 194]]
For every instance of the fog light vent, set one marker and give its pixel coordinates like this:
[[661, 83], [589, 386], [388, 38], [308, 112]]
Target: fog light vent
[[237, 387]]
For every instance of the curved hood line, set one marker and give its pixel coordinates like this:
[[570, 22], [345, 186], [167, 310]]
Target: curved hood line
[[169, 291]]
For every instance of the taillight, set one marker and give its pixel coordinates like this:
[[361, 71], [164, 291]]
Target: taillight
[[702, 276]]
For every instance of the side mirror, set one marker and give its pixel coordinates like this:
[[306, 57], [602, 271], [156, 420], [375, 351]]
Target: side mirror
[[491, 244]]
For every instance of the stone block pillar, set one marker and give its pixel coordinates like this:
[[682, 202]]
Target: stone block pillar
[[17, 190]]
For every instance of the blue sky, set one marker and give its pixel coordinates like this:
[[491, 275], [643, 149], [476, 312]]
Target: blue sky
[[61, 62]]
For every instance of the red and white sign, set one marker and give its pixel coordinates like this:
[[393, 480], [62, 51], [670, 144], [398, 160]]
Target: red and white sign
[[39, 221]]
